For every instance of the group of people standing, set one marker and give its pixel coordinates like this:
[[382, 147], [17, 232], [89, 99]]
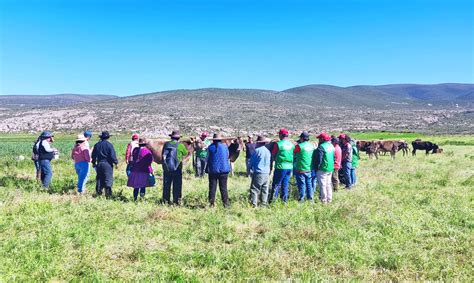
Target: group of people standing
[[324, 166]]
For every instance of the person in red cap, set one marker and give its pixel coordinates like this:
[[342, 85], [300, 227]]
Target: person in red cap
[[324, 166], [130, 147], [201, 154], [283, 155]]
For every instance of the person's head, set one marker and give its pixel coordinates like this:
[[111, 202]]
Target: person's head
[[347, 139], [47, 135], [80, 139], [261, 141], [250, 139], [304, 136], [334, 140], [142, 142], [135, 137], [204, 135], [104, 135], [323, 137], [216, 138], [88, 134], [175, 135], [283, 133]]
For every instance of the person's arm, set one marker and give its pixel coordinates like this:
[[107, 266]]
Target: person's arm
[[275, 149], [47, 147], [297, 149], [113, 155], [94, 156], [128, 152], [183, 150], [87, 154]]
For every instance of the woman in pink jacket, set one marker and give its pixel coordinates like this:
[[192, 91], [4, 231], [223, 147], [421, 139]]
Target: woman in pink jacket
[[82, 157]]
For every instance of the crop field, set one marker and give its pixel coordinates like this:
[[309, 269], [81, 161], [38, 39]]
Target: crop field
[[407, 219]]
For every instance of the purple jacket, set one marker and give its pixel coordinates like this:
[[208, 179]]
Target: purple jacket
[[142, 160]]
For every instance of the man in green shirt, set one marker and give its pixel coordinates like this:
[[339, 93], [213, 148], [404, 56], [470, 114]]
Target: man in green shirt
[[283, 155], [201, 154], [303, 164], [173, 153], [324, 165]]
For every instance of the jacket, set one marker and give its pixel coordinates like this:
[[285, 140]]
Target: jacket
[[104, 151], [218, 159]]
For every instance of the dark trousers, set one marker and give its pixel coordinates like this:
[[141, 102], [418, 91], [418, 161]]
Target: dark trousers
[[104, 178], [213, 180], [142, 192], [201, 163], [174, 178], [335, 179]]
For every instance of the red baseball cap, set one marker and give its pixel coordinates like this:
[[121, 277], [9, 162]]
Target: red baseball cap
[[342, 136], [324, 136], [135, 137], [204, 134], [283, 131]]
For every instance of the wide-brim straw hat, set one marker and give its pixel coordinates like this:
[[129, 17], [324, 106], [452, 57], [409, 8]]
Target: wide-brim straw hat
[[216, 137], [81, 137], [261, 139]]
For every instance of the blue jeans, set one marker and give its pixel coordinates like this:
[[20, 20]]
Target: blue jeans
[[353, 177], [137, 190], [281, 179], [82, 170], [46, 172], [346, 173], [305, 185]]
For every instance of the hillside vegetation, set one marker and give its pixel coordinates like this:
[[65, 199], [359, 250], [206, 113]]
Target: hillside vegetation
[[408, 219], [242, 111]]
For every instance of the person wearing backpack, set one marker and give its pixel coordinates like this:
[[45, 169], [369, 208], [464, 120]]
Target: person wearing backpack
[[355, 162], [218, 169], [45, 154], [35, 158], [173, 153], [141, 169]]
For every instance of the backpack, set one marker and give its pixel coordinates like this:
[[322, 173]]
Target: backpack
[[170, 157]]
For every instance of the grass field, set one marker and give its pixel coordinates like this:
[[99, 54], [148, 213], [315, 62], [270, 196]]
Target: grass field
[[408, 219]]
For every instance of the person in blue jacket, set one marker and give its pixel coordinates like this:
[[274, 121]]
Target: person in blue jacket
[[218, 168]]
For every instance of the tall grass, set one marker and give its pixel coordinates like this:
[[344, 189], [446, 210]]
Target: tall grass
[[408, 219]]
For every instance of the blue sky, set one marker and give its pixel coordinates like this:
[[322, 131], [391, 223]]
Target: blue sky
[[128, 47]]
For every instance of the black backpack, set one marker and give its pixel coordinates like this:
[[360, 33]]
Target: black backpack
[[170, 157]]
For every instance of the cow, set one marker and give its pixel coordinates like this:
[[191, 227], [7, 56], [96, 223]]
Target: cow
[[389, 146], [156, 148], [368, 147], [427, 146], [403, 146]]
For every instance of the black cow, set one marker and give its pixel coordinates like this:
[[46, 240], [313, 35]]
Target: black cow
[[424, 145]]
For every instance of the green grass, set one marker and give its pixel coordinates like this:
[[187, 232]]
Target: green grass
[[408, 219]]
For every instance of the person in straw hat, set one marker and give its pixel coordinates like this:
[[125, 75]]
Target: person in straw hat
[[260, 162], [141, 169], [103, 160], [46, 153], [82, 157], [218, 168]]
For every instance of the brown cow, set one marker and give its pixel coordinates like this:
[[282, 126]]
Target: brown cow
[[387, 146], [156, 148], [368, 147]]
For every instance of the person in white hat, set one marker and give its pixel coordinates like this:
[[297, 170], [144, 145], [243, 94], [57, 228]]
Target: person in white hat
[[82, 158]]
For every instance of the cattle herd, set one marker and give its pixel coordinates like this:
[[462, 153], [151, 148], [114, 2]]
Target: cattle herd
[[374, 148]]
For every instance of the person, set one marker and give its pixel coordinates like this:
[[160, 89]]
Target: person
[[82, 157], [201, 154], [130, 147], [249, 150], [346, 160], [324, 166], [88, 135], [141, 169], [103, 160], [260, 162], [173, 153], [283, 156], [218, 168], [303, 162], [354, 163], [35, 158], [46, 153], [337, 162]]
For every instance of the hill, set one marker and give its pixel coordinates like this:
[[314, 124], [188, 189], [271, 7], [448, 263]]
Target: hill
[[34, 101], [242, 111]]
